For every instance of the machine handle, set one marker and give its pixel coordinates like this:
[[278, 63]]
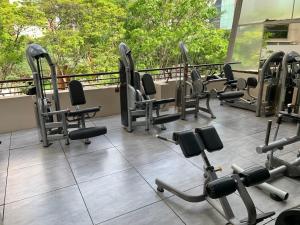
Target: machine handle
[[268, 132], [56, 112]]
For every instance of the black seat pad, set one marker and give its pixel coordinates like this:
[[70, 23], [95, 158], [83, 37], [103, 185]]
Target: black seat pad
[[84, 111], [83, 133], [166, 118], [230, 95], [288, 217]]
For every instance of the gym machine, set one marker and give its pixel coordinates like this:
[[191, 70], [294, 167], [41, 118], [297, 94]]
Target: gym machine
[[53, 122], [207, 139], [290, 82], [269, 76], [137, 104], [276, 166], [191, 90]]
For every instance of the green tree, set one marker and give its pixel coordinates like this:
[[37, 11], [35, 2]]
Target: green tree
[[155, 27], [15, 20]]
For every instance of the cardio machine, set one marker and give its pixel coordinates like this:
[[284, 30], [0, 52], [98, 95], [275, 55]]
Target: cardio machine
[[53, 122], [191, 90], [137, 102], [207, 139]]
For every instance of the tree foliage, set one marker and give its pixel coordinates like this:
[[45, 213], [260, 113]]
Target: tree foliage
[[83, 35]]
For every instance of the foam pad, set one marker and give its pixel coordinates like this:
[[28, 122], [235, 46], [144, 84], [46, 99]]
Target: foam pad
[[228, 72], [252, 82], [148, 84], [84, 133], [289, 217], [76, 93], [210, 138], [221, 187], [189, 143], [228, 95], [166, 118], [254, 176]]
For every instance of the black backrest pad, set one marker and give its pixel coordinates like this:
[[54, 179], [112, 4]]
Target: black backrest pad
[[76, 93], [228, 72], [189, 143], [148, 84], [252, 82], [195, 75], [210, 138]]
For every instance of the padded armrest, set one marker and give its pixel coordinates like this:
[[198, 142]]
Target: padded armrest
[[164, 101], [84, 111]]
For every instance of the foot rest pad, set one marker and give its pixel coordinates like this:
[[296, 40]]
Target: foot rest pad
[[221, 187], [166, 118], [230, 95], [254, 176], [84, 133]]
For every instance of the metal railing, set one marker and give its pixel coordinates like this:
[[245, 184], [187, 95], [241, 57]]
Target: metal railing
[[97, 80]]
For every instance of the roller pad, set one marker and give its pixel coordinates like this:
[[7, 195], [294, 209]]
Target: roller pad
[[221, 187], [210, 138], [189, 143], [289, 217], [229, 95], [254, 176], [84, 133], [166, 118]]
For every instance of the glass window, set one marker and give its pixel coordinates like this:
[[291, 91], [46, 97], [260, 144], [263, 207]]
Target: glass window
[[296, 13], [227, 12], [259, 11], [248, 46]]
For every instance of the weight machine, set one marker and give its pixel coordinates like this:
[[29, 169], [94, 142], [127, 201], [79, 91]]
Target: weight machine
[[191, 90], [53, 122], [137, 104]]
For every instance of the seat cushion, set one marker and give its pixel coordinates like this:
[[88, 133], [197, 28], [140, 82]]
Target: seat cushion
[[83, 133]]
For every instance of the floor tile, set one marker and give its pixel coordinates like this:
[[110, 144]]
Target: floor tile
[[62, 207], [157, 213], [2, 187], [24, 138], [38, 179], [111, 122], [97, 164], [176, 171], [145, 152], [5, 142], [116, 194], [78, 147], [3, 160], [35, 155]]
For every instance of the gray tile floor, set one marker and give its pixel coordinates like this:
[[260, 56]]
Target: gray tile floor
[[111, 181]]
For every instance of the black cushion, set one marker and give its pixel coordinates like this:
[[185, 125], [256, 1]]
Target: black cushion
[[210, 138], [228, 72], [76, 93], [289, 217], [166, 118], [189, 143], [230, 95], [252, 82], [254, 176], [83, 133], [148, 84], [221, 187]]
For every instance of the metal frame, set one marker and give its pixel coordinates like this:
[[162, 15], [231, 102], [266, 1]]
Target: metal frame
[[189, 104], [224, 208], [56, 128]]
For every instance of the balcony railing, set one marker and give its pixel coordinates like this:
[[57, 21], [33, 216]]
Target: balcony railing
[[97, 80]]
